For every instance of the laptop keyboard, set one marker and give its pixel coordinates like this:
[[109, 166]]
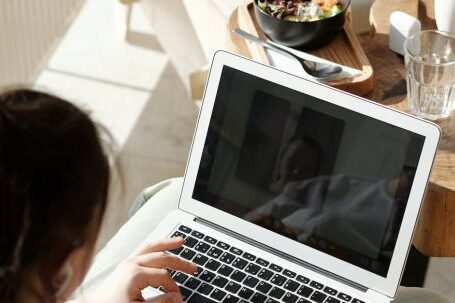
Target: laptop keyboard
[[228, 274]]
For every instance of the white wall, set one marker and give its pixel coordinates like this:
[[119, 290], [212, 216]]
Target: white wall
[[29, 30]]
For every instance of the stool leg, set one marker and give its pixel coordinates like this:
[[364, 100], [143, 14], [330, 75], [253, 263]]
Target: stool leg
[[128, 13]]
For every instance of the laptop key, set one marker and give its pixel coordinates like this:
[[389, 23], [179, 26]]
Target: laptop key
[[305, 291], [230, 299], [303, 279], [197, 234], [239, 263], [202, 247], [245, 293], [210, 240], [251, 281], [278, 279], [316, 285], [180, 277], [252, 268], [332, 300], [225, 270], [258, 298], [197, 298], [233, 287], [262, 262], [198, 271], [185, 292], [291, 285], [235, 250], [220, 281], [184, 228], [290, 298], [200, 259], [227, 258], [205, 288], [357, 301], [215, 252], [207, 276], [190, 242], [330, 291], [176, 251], [276, 292], [249, 256], [192, 283], [302, 300], [238, 276], [271, 300], [264, 287], [217, 294], [289, 273], [275, 267], [265, 274], [344, 297], [318, 297], [212, 264], [187, 253], [223, 245]]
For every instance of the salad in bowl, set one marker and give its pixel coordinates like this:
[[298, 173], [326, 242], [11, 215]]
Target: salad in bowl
[[303, 24], [301, 10]]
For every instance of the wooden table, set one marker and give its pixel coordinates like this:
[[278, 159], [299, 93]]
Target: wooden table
[[435, 233]]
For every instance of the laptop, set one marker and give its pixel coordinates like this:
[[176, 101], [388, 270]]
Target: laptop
[[296, 192]]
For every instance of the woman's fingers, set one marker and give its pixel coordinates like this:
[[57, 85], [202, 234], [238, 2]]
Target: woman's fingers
[[145, 277], [171, 297], [163, 259], [160, 245], [151, 260]]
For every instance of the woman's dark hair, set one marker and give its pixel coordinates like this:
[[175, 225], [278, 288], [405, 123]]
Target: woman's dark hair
[[54, 178]]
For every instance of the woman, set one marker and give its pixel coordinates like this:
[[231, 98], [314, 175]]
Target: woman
[[54, 179]]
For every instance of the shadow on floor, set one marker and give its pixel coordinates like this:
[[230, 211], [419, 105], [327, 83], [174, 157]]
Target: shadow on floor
[[156, 149], [143, 40]]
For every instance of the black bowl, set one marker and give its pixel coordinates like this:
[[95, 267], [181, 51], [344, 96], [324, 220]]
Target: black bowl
[[302, 35]]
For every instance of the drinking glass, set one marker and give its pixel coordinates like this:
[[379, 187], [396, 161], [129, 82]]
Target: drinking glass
[[430, 74]]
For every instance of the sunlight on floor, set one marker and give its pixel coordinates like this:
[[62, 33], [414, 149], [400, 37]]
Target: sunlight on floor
[[96, 68], [130, 86]]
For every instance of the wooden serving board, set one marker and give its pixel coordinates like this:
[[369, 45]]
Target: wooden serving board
[[345, 50]]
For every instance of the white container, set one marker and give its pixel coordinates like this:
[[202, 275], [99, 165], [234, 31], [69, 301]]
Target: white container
[[401, 27], [444, 11]]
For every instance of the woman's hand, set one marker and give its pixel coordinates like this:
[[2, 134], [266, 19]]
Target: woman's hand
[[145, 267]]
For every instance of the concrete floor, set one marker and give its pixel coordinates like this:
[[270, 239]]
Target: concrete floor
[[138, 88]]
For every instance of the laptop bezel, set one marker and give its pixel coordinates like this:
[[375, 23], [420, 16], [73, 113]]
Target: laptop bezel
[[386, 285]]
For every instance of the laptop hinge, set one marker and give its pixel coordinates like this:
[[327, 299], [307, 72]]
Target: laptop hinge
[[281, 254]]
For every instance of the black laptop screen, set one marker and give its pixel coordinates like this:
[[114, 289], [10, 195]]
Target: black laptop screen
[[317, 173]]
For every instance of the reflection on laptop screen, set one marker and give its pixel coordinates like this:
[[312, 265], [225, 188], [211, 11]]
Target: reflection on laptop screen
[[317, 173]]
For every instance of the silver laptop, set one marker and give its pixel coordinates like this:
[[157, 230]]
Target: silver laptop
[[296, 192]]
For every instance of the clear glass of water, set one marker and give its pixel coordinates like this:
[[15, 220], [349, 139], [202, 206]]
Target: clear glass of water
[[430, 74]]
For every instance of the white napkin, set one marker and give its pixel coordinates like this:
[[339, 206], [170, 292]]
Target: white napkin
[[290, 65]]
